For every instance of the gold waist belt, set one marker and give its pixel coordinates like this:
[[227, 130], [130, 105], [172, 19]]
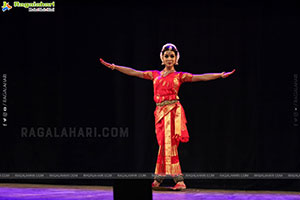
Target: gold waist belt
[[167, 102]]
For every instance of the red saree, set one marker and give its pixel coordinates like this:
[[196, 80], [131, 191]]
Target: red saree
[[170, 120]]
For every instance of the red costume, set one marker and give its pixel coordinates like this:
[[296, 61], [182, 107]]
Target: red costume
[[170, 119]]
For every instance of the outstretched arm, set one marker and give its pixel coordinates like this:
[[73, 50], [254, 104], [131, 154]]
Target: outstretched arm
[[210, 76], [125, 70]]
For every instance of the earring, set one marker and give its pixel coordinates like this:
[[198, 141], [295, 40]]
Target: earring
[[162, 63]]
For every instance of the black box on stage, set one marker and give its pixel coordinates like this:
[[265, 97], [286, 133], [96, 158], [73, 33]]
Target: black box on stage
[[132, 189]]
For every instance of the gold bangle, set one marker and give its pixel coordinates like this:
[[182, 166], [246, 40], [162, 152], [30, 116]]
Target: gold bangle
[[222, 75], [112, 66]]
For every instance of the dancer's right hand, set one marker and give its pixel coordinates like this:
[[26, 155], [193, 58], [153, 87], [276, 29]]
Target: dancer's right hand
[[111, 66]]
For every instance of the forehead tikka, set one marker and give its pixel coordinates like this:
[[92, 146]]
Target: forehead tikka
[[169, 52]]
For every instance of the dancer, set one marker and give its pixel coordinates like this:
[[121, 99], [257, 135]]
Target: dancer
[[170, 120]]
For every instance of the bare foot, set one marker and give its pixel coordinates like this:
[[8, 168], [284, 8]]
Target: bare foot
[[179, 186], [155, 184]]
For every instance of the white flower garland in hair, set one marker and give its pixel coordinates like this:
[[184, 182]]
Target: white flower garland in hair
[[170, 44]]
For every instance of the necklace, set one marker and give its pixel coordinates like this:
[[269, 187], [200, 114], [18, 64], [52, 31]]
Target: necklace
[[165, 73]]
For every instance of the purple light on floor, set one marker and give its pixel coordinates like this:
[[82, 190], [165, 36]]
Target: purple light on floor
[[54, 194], [222, 196], [106, 193]]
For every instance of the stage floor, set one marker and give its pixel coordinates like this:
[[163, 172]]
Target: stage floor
[[63, 192]]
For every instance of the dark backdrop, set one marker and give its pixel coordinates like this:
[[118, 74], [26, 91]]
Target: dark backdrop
[[244, 123]]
